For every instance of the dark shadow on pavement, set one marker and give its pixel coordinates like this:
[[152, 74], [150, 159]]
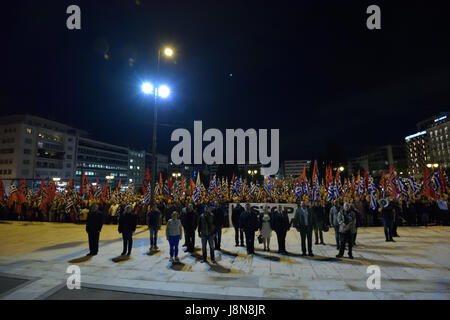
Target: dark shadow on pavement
[[180, 266], [120, 259], [62, 246], [218, 268], [271, 258], [229, 253], [81, 259], [154, 253]]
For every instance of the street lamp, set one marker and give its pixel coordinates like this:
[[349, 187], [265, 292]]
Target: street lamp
[[341, 169], [162, 91], [56, 179], [435, 165], [176, 175]]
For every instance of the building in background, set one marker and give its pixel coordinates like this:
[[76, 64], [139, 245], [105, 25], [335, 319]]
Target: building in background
[[378, 159], [98, 160], [416, 150], [294, 168], [34, 148], [430, 145]]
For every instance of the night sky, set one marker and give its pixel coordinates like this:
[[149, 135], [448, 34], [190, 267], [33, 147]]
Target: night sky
[[310, 68]]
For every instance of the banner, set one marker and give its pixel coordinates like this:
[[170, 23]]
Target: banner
[[259, 209]]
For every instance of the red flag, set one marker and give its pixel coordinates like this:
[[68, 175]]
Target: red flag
[[84, 183], [2, 189], [442, 178], [392, 178], [161, 183], [147, 174], [383, 181], [183, 187], [191, 190], [232, 179], [169, 184], [21, 192], [304, 173], [366, 179], [119, 184], [70, 185], [314, 171], [429, 192]]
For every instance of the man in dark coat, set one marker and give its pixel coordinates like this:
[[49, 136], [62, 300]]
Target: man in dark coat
[[127, 225], [190, 217], [388, 214], [235, 217], [304, 223], [281, 225], [250, 224], [94, 225], [154, 223], [219, 219], [206, 231]]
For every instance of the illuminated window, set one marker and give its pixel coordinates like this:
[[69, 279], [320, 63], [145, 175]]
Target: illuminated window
[[28, 130]]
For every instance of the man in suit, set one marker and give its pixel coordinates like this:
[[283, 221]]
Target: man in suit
[[190, 224], [250, 224], [94, 225], [304, 223], [235, 217], [219, 219], [281, 225]]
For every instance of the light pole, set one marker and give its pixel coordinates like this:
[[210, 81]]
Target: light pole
[[163, 91]]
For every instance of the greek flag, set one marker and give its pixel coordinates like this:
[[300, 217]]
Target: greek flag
[[197, 189], [402, 187], [147, 194], [414, 187], [338, 186], [297, 190], [437, 182], [12, 189], [98, 192], [267, 187], [362, 187], [331, 187], [316, 189], [373, 198], [212, 185]]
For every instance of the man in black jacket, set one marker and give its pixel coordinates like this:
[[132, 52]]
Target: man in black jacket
[[154, 223], [388, 214], [94, 225], [281, 225], [190, 219], [206, 231], [235, 217], [250, 224], [304, 223], [127, 225], [219, 219]]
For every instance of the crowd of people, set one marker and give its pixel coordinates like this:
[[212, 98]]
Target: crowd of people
[[187, 210], [185, 220]]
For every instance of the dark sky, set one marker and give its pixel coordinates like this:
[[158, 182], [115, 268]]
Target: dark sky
[[310, 68]]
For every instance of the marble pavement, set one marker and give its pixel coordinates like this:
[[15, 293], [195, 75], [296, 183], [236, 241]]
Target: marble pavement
[[417, 266]]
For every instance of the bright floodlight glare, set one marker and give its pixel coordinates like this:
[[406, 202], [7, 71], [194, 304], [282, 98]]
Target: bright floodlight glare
[[163, 91], [147, 87], [168, 52]]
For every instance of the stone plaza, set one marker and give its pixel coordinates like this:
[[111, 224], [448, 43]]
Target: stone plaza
[[34, 257]]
